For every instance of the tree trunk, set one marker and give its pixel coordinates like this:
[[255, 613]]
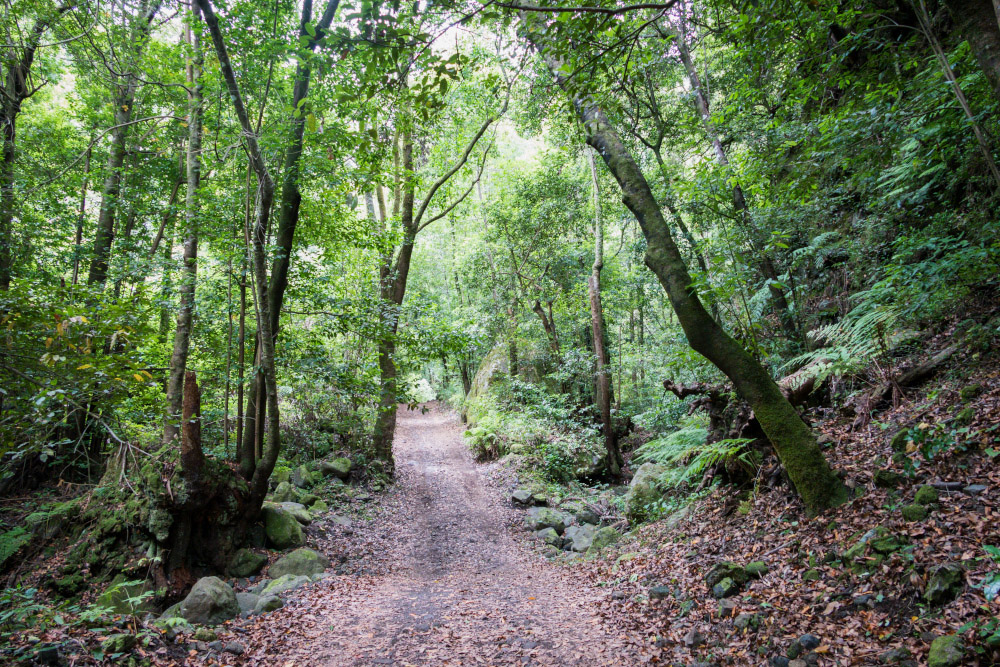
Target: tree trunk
[[602, 377], [794, 442], [81, 219], [124, 100], [977, 22], [288, 218], [739, 200], [176, 384]]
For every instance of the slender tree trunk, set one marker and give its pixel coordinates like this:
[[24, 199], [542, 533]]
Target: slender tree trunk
[[124, 100], [739, 200], [602, 376], [977, 22], [185, 315], [81, 219], [288, 218], [990, 59], [265, 198], [794, 442]]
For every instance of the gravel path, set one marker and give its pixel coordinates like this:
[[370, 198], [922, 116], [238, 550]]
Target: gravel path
[[448, 581]]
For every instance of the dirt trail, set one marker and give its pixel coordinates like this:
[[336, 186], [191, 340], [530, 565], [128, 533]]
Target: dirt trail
[[458, 588]]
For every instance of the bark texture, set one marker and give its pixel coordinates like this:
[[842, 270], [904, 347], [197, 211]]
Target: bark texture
[[794, 442]]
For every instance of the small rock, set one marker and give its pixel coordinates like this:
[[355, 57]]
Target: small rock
[[694, 638], [947, 651], [302, 478], [549, 536], [809, 642], [247, 601], [204, 634], [945, 583], [727, 608], [811, 575], [915, 512], [538, 518], [603, 538], [282, 529], [779, 661], [210, 602], [284, 584], [216, 645], [756, 569], [48, 655], [974, 489], [725, 588], [887, 479], [235, 648], [246, 563], [724, 570], [284, 493], [118, 643], [895, 656], [926, 495], [660, 592], [521, 497], [747, 622], [268, 603], [308, 499], [581, 538]]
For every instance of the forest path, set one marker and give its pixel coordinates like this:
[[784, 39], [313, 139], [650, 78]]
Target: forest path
[[458, 587]]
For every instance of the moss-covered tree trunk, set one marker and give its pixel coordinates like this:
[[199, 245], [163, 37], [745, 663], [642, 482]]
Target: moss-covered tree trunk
[[794, 442]]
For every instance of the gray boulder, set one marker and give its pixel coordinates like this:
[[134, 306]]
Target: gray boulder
[[521, 497], [580, 510], [643, 492], [210, 602], [580, 537], [299, 511], [603, 538], [268, 603], [284, 493], [302, 478], [539, 518], [550, 537], [247, 601], [339, 467], [246, 563], [282, 529], [299, 562], [288, 582], [947, 651]]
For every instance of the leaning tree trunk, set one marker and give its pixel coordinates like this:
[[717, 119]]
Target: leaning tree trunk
[[185, 315], [602, 378], [794, 442]]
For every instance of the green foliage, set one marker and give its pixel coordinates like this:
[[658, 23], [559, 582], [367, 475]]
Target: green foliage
[[11, 542], [688, 455]]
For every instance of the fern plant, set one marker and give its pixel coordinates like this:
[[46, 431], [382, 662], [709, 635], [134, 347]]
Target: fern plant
[[687, 454], [11, 541]]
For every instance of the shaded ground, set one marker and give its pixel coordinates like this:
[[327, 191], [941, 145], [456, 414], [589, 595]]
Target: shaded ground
[[438, 578]]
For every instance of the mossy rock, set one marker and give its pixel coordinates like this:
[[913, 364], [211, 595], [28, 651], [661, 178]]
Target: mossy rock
[[811, 575], [318, 507], [898, 442], [726, 569], [308, 499], [914, 512], [282, 529], [947, 651], [302, 477], [284, 584], [926, 495], [887, 479], [964, 417], [643, 492], [756, 569], [339, 467], [969, 392], [603, 538], [210, 602], [69, 585], [727, 587], [945, 583], [284, 493], [299, 562], [539, 518], [118, 643], [549, 536], [246, 563]]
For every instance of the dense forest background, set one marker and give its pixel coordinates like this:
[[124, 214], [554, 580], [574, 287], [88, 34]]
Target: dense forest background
[[237, 238]]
